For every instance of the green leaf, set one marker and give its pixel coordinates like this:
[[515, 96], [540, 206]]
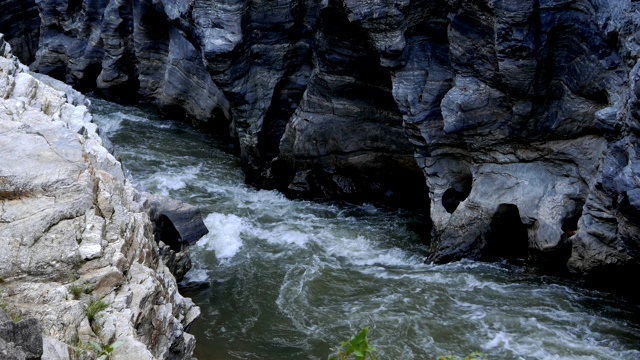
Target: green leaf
[[117, 344], [96, 346], [476, 355]]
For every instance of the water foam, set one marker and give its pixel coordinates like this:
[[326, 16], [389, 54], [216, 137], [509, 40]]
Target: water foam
[[333, 269], [224, 235], [171, 180], [362, 251], [196, 275]]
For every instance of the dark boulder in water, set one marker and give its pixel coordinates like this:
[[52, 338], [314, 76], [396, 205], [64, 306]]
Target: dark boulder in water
[[177, 225]]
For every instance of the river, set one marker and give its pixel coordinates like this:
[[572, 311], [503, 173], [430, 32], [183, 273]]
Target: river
[[287, 279]]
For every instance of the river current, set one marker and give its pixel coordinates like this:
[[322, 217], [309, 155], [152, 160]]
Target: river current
[[283, 279]]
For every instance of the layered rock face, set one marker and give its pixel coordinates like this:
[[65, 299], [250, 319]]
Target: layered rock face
[[522, 115], [531, 154], [274, 71], [77, 249]]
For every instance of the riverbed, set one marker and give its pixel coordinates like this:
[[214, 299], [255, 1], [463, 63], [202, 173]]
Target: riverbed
[[289, 279]]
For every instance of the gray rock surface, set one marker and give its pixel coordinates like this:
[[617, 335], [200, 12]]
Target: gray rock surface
[[20, 340], [177, 223], [75, 232], [522, 117]]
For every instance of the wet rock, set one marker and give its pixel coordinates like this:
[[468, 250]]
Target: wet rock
[[534, 119], [177, 225]]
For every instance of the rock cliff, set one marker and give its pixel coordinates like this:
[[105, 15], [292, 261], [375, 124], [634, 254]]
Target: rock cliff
[[520, 116], [77, 249]]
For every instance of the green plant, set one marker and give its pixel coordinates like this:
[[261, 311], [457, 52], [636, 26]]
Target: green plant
[[94, 308], [81, 349], [358, 347], [11, 311], [106, 351], [46, 107], [476, 355], [79, 289]]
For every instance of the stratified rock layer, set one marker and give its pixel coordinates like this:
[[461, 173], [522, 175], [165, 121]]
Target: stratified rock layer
[[75, 234], [522, 115]]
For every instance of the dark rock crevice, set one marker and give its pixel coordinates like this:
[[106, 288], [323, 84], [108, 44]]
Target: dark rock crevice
[[507, 237], [20, 24]]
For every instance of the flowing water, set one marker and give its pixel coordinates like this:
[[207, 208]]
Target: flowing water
[[291, 279]]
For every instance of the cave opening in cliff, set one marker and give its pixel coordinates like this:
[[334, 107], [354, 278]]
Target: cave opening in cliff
[[570, 221], [507, 237], [457, 193]]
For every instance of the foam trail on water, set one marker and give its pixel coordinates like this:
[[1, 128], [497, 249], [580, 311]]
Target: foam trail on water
[[196, 275], [168, 181], [362, 251]]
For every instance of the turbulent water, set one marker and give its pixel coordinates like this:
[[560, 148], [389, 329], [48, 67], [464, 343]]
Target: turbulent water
[[291, 279]]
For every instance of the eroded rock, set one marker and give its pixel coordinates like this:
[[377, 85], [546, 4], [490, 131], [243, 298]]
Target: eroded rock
[[177, 225], [75, 233], [512, 107]]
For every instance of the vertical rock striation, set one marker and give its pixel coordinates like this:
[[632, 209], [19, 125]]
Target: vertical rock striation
[[77, 250], [277, 72], [525, 158], [520, 116], [20, 22]]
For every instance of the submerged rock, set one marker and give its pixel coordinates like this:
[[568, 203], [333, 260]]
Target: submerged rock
[[77, 250]]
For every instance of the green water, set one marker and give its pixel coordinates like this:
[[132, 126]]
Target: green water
[[284, 279]]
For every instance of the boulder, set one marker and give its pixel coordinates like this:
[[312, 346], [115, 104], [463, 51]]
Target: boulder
[[177, 225]]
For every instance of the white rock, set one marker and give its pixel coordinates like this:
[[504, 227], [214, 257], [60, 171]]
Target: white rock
[[69, 218]]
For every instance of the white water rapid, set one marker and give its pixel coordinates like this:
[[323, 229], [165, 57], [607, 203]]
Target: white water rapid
[[291, 279]]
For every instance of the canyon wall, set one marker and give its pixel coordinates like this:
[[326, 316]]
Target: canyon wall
[[514, 122], [77, 249]]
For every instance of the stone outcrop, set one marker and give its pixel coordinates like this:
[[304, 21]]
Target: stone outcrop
[[77, 249], [520, 116], [177, 225], [21, 340]]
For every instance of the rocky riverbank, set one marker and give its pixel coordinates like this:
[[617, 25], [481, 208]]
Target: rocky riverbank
[[77, 248], [515, 122]]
